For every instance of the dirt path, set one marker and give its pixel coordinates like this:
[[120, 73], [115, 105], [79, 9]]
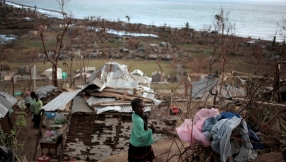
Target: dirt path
[[160, 149], [27, 135]]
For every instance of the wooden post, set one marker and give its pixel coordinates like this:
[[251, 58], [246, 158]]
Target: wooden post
[[116, 139], [189, 101], [215, 96], [186, 88], [13, 93], [276, 83]]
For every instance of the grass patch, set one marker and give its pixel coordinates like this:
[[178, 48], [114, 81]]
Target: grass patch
[[146, 66]]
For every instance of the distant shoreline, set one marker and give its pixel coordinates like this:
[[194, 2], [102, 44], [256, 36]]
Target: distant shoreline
[[34, 7], [60, 17]]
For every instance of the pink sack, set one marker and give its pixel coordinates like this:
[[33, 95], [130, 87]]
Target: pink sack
[[48, 133], [195, 135]]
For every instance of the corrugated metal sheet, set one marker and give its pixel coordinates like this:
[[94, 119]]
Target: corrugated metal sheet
[[200, 89], [128, 109], [6, 102], [112, 71], [120, 83], [3, 110], [60, 101], [43, 92], [122, 109], [129, 91], [80, 105], [230, 91], [94, 100], [115, 75]]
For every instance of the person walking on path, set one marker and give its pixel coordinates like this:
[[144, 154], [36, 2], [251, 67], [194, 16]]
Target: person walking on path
[[37, 116], [140, 149]]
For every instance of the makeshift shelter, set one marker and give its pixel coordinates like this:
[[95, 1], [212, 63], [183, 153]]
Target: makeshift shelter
[[48, 73], [6, 103]]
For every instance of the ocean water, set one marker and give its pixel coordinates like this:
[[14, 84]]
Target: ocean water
[[252, 18]]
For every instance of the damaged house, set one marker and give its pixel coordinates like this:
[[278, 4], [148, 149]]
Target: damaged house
[[99, 114]]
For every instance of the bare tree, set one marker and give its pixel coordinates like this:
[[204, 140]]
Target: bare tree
[[128, 18], [54, 54], [282, 27], [62, 3], [222, 24]]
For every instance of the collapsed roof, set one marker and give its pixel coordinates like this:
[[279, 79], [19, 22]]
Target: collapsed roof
[[110, 88]]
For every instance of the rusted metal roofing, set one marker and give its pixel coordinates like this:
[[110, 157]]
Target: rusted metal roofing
[[80, 105], [60, 101], [6, 102]]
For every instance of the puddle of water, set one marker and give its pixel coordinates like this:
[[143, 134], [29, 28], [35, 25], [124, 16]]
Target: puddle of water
[[6, 38]]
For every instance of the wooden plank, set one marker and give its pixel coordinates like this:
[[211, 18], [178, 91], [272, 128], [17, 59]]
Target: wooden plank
[[117, 96], [259, 102], [124, 96], [116, 103], [133, 95]]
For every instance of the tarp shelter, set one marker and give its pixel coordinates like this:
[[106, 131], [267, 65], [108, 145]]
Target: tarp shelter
[[48, 73]]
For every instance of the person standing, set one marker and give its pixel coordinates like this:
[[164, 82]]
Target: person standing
[[32, 101], [37, 115], [140, 149]]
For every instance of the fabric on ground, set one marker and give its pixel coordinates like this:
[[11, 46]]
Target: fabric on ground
[[245, 154], [256, 140], [192, 131], [221, 133], [229, 115]]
